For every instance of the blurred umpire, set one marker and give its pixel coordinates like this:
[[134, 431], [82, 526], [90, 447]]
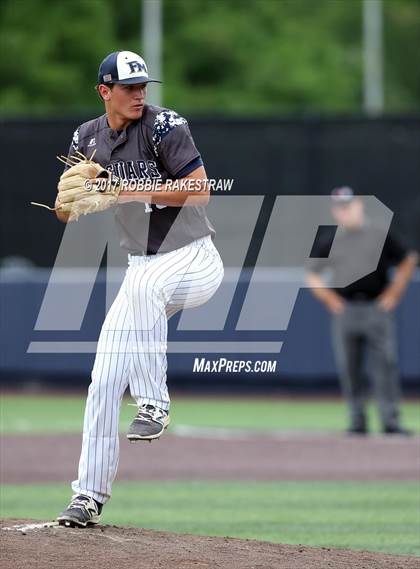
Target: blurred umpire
[[362, 313]]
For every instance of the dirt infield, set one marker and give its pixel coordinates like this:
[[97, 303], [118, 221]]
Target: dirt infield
[[110, 547], [26, 459]]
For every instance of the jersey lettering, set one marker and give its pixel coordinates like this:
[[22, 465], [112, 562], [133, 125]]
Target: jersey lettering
[[119, 170], [142, 167], [154, 172], [131, 173]]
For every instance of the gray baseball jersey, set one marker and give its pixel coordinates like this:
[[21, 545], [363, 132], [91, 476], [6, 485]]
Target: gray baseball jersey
[[158, 146]]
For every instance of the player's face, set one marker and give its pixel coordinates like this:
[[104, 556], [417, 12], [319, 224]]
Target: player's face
[[127, 100]]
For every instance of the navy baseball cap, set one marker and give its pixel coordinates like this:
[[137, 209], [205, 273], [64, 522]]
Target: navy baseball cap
[[342, 196], [124, 67]]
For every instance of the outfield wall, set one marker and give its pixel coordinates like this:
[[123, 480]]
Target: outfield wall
[[305, 360]]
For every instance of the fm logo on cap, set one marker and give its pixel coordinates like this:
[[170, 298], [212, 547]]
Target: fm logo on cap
[[136, 67]]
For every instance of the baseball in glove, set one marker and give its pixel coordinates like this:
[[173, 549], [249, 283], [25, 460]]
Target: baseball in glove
[[85, 187]]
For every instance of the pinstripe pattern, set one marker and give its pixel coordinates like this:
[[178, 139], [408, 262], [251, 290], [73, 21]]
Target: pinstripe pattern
[[132, 350]]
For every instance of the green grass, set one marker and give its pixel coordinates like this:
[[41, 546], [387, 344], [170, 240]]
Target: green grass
[[375, 516], [41, 414]]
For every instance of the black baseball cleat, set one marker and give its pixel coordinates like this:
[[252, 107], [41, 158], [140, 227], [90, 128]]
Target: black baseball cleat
[[357, 430], [82, 511], [397, 431], [148, 424]]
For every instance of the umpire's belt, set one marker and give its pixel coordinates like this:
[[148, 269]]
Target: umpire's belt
[[141, 254]]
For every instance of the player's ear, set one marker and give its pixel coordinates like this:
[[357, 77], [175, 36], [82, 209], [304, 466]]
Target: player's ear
[[104, 91], [98, 91]]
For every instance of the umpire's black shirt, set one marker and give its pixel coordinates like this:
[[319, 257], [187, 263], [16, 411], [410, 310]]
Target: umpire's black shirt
[[356, 247]]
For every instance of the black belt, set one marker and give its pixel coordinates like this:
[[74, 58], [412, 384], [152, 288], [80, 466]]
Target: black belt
[[360, 297], [142, 253]]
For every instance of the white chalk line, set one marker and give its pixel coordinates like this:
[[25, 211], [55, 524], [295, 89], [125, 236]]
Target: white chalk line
[[229, 434], [222, 433]]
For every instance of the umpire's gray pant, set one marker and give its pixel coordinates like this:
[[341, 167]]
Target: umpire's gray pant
[[365, 331]]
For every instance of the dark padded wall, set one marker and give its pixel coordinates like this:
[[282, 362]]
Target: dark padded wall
[[264, 156]]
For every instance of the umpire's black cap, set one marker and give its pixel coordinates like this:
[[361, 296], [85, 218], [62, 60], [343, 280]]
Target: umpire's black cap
[[124, 67]]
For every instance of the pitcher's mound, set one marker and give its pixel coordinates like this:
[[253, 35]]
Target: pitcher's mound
[[33, 545]]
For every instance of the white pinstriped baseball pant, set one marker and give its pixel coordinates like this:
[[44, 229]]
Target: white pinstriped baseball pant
[[132, 350]]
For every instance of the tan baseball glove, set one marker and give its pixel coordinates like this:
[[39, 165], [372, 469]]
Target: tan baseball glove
[[78, 194]]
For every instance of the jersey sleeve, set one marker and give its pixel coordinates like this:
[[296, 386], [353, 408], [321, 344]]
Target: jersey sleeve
[[74, 145], [173, 144]]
